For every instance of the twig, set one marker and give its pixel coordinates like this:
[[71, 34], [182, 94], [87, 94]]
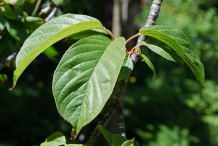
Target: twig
[[8, 59], [132, 37], [110, 33], [51, 14]]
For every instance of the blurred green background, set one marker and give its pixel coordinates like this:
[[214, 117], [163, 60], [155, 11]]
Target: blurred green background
[[165, 112]]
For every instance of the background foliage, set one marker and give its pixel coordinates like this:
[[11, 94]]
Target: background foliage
[[163, 112]]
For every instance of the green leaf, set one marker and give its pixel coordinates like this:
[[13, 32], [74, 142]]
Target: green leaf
[[51, 53], [16, 13], [126, 69], [117, 140], [85, 78], [112, 139], [48, 34], [4, 78], [7, 45], [16, 30], [76, 145], [179, 42], [2, 22], [32, 23], [55, 139], [60, 2], [106, 133], [130, 143], [10, 1], [150, 65], [4, 39], [86, 33], [159, 51]]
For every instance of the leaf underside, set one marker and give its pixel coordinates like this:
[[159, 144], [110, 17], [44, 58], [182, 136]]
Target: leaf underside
[[179, 42], [48, 34], [85, 78]]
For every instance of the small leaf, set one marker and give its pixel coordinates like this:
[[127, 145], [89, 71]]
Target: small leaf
[[16, 30], [55, 139], [51, 53], [130, 143], [60, 2], [118, 140], [4, 79], [126, 68], [85, 78], [2, 23], [76, 145], [150, 65], [112, 139], [179, 42], [106, 133], [10, 1], [159, 51], [16, 13], [48, 34], [32, 23], [4, 39]]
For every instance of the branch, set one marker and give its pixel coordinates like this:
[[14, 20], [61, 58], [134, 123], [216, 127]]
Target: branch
[[51, 14], [8, 59], [116, 97], [113, 105], [96, 132], [152, 17]]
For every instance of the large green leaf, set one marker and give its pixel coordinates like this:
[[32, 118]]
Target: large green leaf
[[48, 34], [85, 78], [179, 42]]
